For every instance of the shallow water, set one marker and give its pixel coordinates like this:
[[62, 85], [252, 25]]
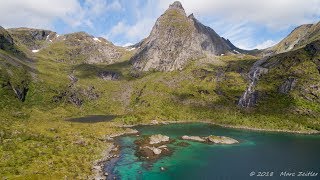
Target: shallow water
[[273, 153]]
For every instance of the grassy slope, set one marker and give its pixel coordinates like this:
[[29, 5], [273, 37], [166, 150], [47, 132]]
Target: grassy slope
[[36, 141]]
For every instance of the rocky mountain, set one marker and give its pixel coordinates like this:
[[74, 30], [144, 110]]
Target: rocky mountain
[[81, 47], [298, 38], [176, 39], [21, 48], [289, 80], [71, 48], [33, 39]]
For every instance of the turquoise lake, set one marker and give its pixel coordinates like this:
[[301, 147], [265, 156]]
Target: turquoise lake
[[268, 152]]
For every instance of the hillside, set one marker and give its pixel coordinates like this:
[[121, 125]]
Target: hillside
[[183, 71], [298, 38]]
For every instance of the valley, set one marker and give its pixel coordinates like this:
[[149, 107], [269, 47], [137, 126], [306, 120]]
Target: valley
[[183, 71]]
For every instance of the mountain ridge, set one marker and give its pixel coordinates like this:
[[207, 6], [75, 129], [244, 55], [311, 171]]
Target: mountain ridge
[[183, 36]]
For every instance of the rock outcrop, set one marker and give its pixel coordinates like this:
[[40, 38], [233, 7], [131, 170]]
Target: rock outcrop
[[109, 75], [33, 39], [175, 40], [6, 40], [90, 49], [211, 139], [221, 140], [193, 138], [153, 147], [288, 85], [156, 139]]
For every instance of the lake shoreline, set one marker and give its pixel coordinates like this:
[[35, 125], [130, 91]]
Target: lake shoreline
[[99, 165], [309, 132]]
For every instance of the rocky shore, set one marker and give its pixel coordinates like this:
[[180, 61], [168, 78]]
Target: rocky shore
[[155, 122], [111, 154]]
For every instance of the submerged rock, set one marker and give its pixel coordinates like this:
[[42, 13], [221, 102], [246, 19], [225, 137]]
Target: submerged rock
[[151, 152], [211, 139], [183, 144], [193, 138]]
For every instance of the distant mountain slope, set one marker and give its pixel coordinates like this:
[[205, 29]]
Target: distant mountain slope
[[31, 38], [176, 39], [81, 47], [298, 38], [71, 48]]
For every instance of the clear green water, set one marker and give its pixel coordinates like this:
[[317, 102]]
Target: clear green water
[[257, 151]]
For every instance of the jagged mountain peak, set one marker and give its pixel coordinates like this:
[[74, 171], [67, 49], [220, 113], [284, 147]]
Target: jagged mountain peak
[[191, 16], [176, 5], [176, 39]]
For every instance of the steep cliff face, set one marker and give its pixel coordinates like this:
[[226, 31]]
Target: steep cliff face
[[176, 39], [6, 40], [286, 81], [33, 39]]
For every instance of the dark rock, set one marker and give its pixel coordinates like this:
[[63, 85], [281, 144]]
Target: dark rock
[[183, 144], [109, 75], [75, 99], [203, 92], [152, 149], [21, 92], [288, 85], [90, 93], [313, 47], [6, 41]]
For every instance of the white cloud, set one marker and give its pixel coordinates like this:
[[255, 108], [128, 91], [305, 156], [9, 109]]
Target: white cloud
[[33, 13], [235, 20], [265, 44], [145, 16], [42, 14], [127, 44], [272, 13], [134, 32]]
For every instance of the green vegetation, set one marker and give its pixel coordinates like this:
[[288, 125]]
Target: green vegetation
[[36, 141]]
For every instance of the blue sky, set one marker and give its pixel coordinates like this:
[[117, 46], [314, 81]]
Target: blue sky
[[247, 23]]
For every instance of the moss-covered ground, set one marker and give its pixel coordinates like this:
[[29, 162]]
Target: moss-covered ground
[[37, 142]]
